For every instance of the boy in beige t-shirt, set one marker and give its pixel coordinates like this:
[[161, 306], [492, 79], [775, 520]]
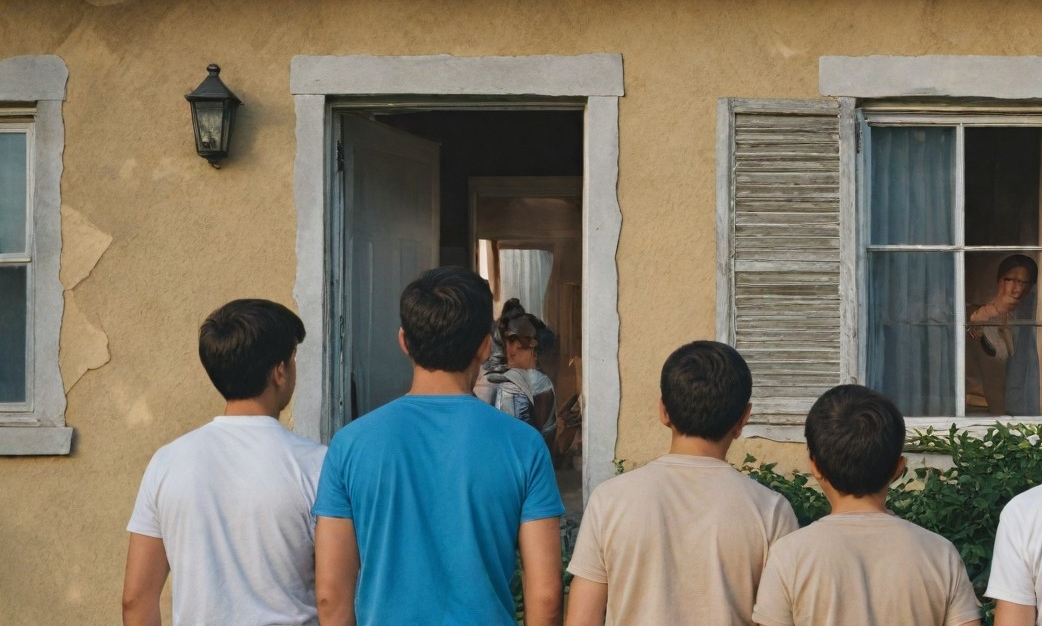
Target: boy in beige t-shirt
[[683, 539], [861, 565]]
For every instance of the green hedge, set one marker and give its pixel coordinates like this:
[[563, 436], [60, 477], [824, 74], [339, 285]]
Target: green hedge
[[962, 503]]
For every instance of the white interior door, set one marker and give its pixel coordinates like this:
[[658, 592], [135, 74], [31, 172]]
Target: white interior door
[[391, 215]]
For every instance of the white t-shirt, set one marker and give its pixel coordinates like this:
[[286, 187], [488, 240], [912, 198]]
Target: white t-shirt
[[681, 540], [1016, 565], [232, 503]]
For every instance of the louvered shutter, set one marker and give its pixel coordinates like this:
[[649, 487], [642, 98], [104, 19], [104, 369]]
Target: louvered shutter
[[780, 250]]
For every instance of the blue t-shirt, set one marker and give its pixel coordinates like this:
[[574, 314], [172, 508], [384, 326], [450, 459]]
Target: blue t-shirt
[[437, 487]]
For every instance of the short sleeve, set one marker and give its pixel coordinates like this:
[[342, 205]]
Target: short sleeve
[[962, 601], [774, 598], [542, 498], [1012, 578], [332, 499], [784, 521], [145, 518], [588, 555]]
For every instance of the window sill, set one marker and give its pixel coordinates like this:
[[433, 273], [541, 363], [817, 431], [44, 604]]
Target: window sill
[[39, 440], [975, 425]]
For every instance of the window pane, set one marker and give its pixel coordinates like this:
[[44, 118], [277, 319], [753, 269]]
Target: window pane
[[911, 185], [12, 333], [1002, 179], [1002, 353], [12, 192], [910, 345]]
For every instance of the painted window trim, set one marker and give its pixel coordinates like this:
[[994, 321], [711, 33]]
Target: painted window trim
[[317, 80], [39, 81]]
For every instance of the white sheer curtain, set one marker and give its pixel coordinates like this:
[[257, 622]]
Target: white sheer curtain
[[525, 275], [911, 349]]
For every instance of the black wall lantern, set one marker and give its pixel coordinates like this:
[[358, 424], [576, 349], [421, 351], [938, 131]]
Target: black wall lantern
[[213, 113]]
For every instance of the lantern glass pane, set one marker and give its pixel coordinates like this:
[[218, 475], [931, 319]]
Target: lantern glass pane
[[210, 119]]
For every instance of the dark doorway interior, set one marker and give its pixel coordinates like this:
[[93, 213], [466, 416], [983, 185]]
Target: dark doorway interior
[[500, 143]]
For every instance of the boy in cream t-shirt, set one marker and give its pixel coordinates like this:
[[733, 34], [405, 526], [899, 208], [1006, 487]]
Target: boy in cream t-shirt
[[683, 539], [862, 565]]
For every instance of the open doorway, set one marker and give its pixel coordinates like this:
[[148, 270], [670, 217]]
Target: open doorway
[[498, 191], [323, 87]]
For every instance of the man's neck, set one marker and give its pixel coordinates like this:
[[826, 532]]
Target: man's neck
[[260, 405], [696, 446], [442, 383], [845, 503]]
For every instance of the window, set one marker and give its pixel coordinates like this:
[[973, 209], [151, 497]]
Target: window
[[950, 234], [889, 235], [32, 398]]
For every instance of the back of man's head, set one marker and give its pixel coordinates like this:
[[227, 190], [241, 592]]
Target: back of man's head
[[705, 388], [241, 342], [855, 436], [446, 315]]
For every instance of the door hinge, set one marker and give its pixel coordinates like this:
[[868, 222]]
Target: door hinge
[[857, 138], [339, 156]]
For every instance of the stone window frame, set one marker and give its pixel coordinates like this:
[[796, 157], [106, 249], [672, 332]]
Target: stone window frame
[[37, 83]]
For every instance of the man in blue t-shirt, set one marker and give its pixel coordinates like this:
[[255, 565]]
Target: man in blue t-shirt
[[423, 502]]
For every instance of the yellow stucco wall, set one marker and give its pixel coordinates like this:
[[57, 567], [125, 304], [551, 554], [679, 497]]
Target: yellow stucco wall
[[154, 238]]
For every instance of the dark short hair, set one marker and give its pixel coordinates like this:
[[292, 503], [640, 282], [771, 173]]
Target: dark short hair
[[242, 342], [446, 314], [855, 436], [1018, 260], [705, 386]]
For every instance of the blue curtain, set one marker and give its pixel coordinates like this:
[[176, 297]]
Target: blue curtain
[[911, 349]]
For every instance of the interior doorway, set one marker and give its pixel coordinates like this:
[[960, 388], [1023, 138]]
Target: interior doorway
[[424, 185]]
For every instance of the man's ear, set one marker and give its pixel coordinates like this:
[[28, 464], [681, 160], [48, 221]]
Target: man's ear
[[278, 375], [662, 415], [401, 342], [902, 463], [818, 476], [485, 350], [736, 432]]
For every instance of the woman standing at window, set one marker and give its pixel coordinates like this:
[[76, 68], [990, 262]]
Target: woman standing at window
[[1006, 380]]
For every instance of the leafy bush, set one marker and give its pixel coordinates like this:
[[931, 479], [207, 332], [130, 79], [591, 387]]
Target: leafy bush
[[961, 503]]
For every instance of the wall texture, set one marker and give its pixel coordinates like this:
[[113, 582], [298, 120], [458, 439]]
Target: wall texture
[[155, 238]]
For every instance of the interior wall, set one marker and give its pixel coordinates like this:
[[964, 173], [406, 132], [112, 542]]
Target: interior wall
[[491, 143]]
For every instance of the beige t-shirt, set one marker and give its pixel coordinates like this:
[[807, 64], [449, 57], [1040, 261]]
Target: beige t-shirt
[[865, 568], [680, 541]]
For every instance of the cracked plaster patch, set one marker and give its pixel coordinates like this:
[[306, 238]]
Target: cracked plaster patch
[[84, 346], [83, 246]]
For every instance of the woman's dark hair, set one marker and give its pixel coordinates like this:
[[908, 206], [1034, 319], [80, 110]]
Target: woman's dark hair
[[705, 387], [855, 436], [512, 310], [241, 342], [446, 313], [1018, 260]]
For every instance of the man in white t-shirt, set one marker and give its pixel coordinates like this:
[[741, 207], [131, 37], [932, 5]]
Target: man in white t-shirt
[[1016, 566], [683, 539], [226, 508]]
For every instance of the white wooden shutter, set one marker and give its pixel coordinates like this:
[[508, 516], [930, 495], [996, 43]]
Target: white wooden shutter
[[780, 251]]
